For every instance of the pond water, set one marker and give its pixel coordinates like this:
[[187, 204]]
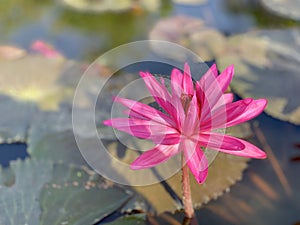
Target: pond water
[[270, 190], [83, 35]]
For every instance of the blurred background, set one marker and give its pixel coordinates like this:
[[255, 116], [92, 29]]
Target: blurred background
[[46, 46]]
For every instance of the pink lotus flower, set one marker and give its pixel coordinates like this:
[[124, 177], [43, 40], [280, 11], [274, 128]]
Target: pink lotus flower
[[45, 49], [192, 115]]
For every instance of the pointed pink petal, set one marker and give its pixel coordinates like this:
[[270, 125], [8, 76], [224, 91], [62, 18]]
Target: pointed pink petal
[[172, 105], [158, 91], [255, 108], [176, 82], [182, 83], [155, 156], [142, 111], [225, 99], [250, 151], [210, 91], [45, 49], [158, 133], [220, 142], [191, 123], [225, 77], [211, 72], [235, 113], [195, 159], [187, 82], [177, 110], [219, 117], [214, 70], [228, 98], [205, 82]]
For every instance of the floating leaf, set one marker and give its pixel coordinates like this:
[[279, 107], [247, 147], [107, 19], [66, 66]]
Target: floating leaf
[[57, 147], [164, 181], [51, 137], [45, 49], [11, 53], [269, 191], [19, 200], [242, 130], [266, 66], [37, 192], [190, 2], [79, 196], [110, 5], [38, 91], [15, 119], [190, 33], [284, 8], [138, 219], [266, 62], [33, 79], [223, 172]]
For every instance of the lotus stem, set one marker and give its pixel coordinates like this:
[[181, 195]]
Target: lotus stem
[[186, 190]]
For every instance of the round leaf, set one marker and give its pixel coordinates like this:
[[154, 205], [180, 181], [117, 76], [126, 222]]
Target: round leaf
[[266, 66], [284, 8]]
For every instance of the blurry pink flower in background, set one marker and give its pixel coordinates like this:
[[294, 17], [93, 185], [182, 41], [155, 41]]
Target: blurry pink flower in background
[[45, 49], [192, 115]]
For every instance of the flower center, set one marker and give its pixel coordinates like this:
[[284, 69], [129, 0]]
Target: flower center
[[185, 101]]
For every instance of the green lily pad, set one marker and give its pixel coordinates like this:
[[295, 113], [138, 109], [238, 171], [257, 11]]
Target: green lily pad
[[216, 184], [33, 79], [79, 196], [266, 66], [57, 147], [164, 181], [225, 171], [266, 61], [285, 8], [19, 199], [269, 192], [36, 92], [11, 53], [15, 119], [242, 130], [110, 5], [190, 2], [188, 32], [29, 86], [38, 192], [138, 219]]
